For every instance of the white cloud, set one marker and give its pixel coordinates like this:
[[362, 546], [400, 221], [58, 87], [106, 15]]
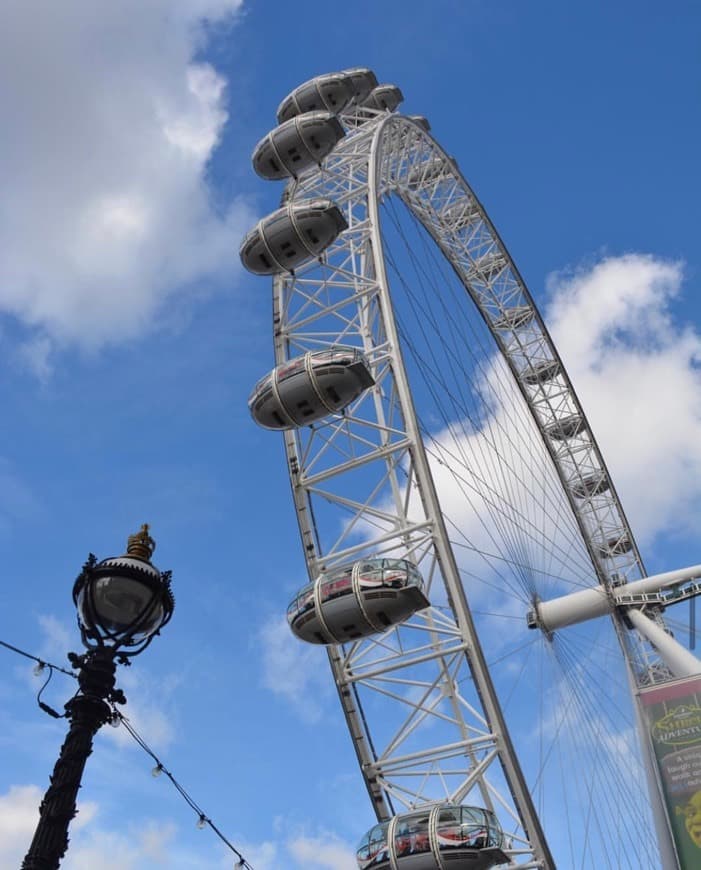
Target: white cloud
[[325, 851], [295, 671], [58, 640], [91, 844], [262, 856], [636, 371], [149, 846], [147, 709], [109, 121], [19, 814], [294, 848]]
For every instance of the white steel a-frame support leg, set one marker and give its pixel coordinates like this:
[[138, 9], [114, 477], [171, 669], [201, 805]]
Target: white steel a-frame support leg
[[627, 600]]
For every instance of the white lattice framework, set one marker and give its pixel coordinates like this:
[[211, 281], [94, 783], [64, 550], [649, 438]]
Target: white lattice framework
[[418, 700]]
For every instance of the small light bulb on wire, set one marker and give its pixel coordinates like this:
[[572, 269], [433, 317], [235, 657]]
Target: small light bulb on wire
[[38, 669], [157, 770], [202, 821]]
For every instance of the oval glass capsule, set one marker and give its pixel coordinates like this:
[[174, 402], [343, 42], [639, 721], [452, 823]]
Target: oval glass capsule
[[617, 546], [383, 98], [566, 428], [331, 92], [426, 839], [296, 145], [489, 266], [362, 81], [357, 600], [292, 235], [590, 485], [541, 372], [435, 169], [463, 214], [421, 121], [514, 318], [309, 388]]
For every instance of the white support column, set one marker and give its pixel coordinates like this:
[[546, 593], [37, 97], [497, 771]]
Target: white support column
[[678, 659]]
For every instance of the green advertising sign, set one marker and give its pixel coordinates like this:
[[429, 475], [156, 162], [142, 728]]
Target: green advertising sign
[[673, 712]]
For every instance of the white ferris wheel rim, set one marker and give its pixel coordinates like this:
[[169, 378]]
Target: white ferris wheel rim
[[387, 132]]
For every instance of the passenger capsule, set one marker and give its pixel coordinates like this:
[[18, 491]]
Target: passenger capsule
[[541, 372], [434, 838], [591, 485], [292, 235], [294, 146], [362, 81], [490, 266], [309, 388], [514, 318], [566, 428], [357, 600], [437, 168], [421, 121], [461, 215], [383, 98], [617, 546], [331, 93]]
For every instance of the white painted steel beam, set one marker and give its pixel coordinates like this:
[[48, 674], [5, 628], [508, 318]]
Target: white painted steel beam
[[598, 601], [678, 659]]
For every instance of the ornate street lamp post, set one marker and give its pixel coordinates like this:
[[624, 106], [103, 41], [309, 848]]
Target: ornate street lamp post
[[122, 604]]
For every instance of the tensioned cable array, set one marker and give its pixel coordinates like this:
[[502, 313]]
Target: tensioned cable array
[[513, 520], [203, 819]]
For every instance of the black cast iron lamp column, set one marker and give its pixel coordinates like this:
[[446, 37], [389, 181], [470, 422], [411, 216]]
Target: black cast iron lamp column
[[122, 604]]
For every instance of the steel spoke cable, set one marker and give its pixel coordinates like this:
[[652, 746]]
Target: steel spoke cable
[[449, 425], [422, 316], [456, 379], [571, 746], [571, 538], [440, 264], [582, 690], [467, 483], [443, 447], [449, 315]]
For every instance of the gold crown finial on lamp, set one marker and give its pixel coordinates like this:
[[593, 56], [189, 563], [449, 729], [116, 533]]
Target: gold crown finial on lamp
[[141, 545]]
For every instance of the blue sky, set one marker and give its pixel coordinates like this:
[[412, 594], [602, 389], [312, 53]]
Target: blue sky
[[130, 338]]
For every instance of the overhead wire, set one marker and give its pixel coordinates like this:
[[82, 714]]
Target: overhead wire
[[203, 820]]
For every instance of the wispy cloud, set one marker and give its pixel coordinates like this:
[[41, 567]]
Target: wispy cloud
[[17, 501], [324, 851], [293, 670], [149, 701], [296, 849]]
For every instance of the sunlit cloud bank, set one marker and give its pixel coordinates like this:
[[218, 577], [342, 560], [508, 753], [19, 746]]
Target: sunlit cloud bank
[[110, 121], [637, 372]]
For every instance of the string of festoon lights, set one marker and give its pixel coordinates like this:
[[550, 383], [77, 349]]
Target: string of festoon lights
[[203, 820]]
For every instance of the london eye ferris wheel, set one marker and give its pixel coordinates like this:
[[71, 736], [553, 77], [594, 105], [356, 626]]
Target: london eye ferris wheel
[[459, 525]]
